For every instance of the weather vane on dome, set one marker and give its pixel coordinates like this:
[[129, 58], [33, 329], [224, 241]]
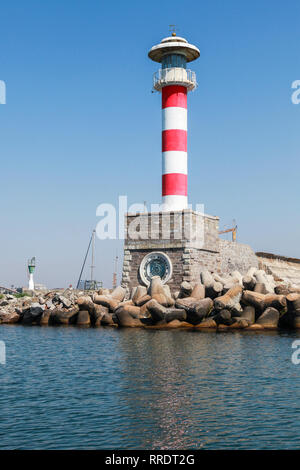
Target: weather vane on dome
[[173, 29]]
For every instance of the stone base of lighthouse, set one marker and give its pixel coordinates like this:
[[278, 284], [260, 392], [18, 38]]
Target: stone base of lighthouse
[[178, 246]]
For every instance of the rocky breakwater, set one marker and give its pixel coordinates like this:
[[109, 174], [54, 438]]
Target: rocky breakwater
[[251, 302], [55, 308]]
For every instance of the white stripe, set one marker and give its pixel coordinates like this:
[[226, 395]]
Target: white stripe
[[174, 203], [174, 118], [174, 162]]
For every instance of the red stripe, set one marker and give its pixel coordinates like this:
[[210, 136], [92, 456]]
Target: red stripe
[[174, 95], [174, 139], [174, 184]]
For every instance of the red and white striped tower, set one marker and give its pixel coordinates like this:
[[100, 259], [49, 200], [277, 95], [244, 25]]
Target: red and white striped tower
[[174, 81]]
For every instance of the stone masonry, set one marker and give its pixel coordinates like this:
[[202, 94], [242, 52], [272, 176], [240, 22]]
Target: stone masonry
[[189, 238]]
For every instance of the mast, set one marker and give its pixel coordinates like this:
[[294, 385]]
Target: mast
[[93, 255]]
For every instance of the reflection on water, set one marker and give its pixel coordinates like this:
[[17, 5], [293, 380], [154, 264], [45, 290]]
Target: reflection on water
[[132, 389]]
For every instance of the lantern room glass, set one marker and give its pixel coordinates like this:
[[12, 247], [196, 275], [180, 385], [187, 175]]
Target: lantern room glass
[[174, 60]]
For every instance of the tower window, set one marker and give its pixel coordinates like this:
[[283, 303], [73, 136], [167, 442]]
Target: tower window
[[174, 60]]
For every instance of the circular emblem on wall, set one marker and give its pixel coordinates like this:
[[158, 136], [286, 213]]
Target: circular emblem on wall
[[155, 264]]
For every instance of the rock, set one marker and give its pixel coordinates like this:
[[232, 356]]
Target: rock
[[143, 300], [170, 302], [206, 323], [294, 290], [50, 305], [255, 326], [196, 309], [32, 314], [185, 290], [221, 279], [27, 318], [161, 299], [174, 324], [156, 310], [206, 279], [138, 293], [9, 318], [237, 310], [176, 294], [83, 318], [133, 292], [293, 302], [269, 318], [109, 319], [222, 327], [289, 320], [249, 282], [230, 300], [118, 294], [144, 310], [110, 301], [124, 318], [167, 290], [106, 301], [44, 320], [228, 286], [172, 314], [223, 317], [4, 302], [251, 271], [63, 317], [281, 289], [121, 304], [156, 286], [236, 275], [27, 302], [147, 321], [186, 303], [160, 325], [239, 323], [260, 287], [276, 301], [254, 299], [198, 292], [66, 302], [262, 278], [215, 290], [133, 310], [157, 291], [248, 314], [97, 314], [85, 303]]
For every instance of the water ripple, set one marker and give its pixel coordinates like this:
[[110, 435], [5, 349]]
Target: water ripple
[[69, 388]]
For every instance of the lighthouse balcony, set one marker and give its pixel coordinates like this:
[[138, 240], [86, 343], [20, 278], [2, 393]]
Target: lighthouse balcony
[[174, 76]]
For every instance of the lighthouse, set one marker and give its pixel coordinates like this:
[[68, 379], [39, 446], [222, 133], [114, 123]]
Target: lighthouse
[[174, 81], [31, 268], [191, 243]]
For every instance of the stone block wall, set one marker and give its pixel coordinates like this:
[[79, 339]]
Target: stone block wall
[[171, 229], [189, 254], [134, 258], [281, 267], [236, 256]]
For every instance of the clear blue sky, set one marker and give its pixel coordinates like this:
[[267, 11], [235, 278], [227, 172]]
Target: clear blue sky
[[81, 125]]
